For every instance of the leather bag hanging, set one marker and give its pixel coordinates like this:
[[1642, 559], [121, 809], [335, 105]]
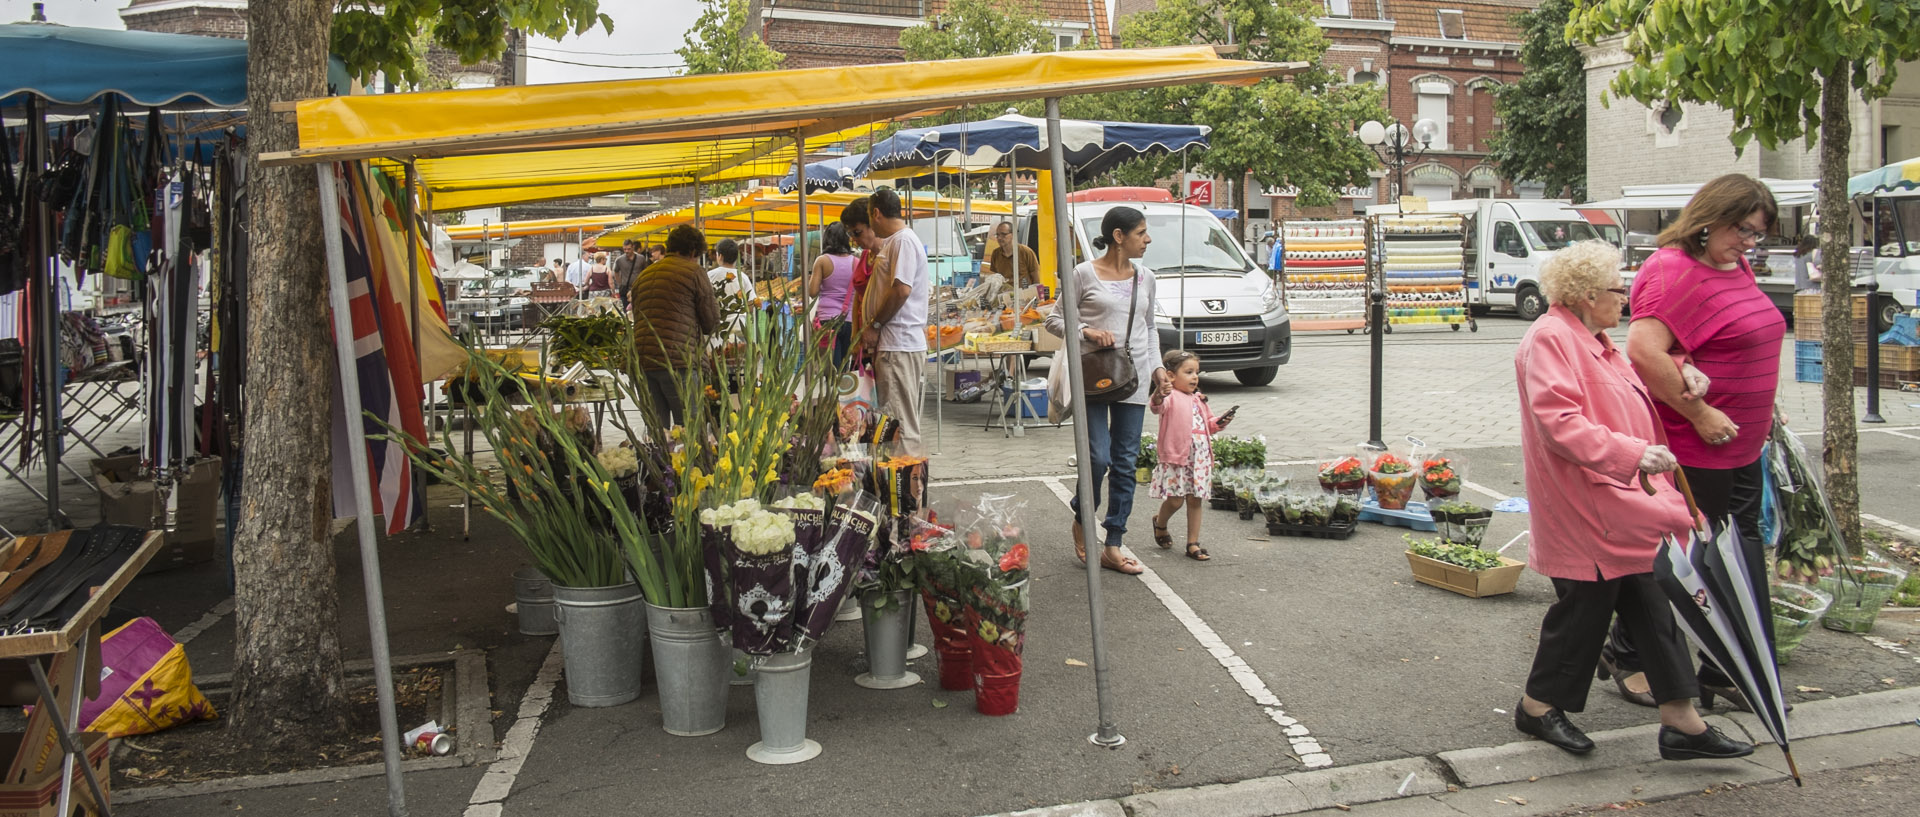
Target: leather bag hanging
[[1108, 372]]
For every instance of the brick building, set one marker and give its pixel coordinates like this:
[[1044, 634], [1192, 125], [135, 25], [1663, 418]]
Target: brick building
[[228, 18], [815, 33]]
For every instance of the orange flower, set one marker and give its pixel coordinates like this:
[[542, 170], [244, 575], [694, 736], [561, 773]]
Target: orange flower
[[1014, 559]]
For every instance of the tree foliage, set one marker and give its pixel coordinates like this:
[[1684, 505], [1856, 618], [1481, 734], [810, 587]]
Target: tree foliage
[[1296, 131], [1544, 113], [978, 28], [716, 45], [378, 35], [1784, 69]]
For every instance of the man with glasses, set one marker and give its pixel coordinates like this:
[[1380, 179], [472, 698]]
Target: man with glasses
[[1003, 258]]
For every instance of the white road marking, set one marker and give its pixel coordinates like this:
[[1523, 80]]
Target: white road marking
[[1497, 496], [494, 786], [1896, 433], [1889, 524], [1890, 646], [947, 483], [206, 622], [1311, 754]]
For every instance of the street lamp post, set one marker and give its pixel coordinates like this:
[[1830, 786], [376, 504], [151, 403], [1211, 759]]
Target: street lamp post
[[1395, 145]]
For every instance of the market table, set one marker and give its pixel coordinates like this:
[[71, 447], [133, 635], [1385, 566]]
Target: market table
[[56, 718], [597, 396]]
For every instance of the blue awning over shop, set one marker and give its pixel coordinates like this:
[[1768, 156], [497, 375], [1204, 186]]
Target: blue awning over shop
[[69, 65]]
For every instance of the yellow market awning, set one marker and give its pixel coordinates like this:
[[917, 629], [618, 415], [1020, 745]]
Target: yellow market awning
[[808, 101], [515, 229], [764, 211]]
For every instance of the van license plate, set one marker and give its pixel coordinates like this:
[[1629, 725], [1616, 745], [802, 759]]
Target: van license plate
[[1220, 338]]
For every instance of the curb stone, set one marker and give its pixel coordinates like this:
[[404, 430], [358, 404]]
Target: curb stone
[[1626, 764]]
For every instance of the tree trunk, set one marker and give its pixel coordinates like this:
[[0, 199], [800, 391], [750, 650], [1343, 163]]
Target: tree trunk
[[288, 689], [1836, 315]]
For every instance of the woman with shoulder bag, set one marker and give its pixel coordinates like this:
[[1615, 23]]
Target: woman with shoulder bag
[[1119, 343]]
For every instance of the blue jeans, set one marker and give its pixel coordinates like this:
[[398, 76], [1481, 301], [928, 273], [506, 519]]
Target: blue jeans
[[1113, 440]]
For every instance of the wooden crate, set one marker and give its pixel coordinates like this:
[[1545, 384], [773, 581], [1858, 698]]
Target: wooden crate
[[1806, 317], [1493, 581], [39, 796]]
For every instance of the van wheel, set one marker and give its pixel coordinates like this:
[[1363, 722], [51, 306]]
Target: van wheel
[[1257, 377], [1530, 303], [1887, 311]]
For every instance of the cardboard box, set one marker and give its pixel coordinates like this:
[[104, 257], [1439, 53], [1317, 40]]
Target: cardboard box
[[1047, 342], [1493, 581], [957, 380], [126, 498], [39, 794]]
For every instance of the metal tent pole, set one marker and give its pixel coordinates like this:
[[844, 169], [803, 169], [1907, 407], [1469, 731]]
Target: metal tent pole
[[1019, 428], [362, 492], [46, 334], [413, 291], [1108, 734], [798, 255]]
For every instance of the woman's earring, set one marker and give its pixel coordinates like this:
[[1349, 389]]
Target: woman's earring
[[1704, 234]]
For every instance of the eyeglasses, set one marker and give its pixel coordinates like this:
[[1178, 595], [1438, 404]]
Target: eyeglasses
[[1749, 235]]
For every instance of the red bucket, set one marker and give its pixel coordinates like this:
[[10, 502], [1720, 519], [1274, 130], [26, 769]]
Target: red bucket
[[996, 694], [950, 644]]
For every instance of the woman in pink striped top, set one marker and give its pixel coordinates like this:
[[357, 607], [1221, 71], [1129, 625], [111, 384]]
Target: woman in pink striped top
[[1695, 301]]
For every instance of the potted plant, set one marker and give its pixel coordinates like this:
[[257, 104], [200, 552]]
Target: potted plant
[[1462, 569], [1149, 457], [1344, 475], [1461, 521], [1859, 586], [1795, 608], [1439, 477], [1392, 479]]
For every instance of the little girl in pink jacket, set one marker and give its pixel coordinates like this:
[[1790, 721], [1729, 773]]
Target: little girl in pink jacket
[[1183, 473]]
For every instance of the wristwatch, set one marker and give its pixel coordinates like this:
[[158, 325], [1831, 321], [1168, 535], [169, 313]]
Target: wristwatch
[[875, 325]]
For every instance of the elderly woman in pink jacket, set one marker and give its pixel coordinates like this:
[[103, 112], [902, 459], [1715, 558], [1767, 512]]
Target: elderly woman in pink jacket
[[1588, 432]]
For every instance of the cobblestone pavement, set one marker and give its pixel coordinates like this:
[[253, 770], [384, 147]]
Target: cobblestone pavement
[[1451, 389]]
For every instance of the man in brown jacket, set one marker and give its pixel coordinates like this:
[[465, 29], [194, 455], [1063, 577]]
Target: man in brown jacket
[[673, 311]]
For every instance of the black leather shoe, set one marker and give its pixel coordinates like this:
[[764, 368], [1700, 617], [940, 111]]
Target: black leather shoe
[[1708, 745], [1554, 728]]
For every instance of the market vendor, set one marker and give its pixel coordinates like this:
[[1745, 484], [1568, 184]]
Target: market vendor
[[674, 309], [1003, 259]]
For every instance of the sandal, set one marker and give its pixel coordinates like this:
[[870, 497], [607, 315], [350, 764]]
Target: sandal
[[1114, 561], [1197, 553], [1161, 536], [1079, 541]]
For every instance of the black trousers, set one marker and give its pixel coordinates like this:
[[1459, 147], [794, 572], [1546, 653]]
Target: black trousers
[[1575, 628], [1720, 493]]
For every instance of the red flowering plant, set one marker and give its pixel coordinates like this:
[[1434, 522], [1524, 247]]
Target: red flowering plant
[[1393, 479], [1345, 475], [1438, 478], [994, 568]]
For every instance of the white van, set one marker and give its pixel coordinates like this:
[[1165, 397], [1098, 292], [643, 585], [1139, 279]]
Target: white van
[[1507, 242], [1212, 297]]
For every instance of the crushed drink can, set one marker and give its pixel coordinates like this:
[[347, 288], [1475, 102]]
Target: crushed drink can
[[434, 743]]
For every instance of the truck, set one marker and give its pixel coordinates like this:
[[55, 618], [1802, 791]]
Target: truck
[[1212, 297], [1506, 243], [1895, 218]]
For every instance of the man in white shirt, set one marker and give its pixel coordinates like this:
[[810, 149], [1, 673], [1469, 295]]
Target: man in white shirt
[[895, 336], [727, 276], [578, 271]]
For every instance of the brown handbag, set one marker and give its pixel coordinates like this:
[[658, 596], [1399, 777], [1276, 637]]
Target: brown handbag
[[1108, 372]]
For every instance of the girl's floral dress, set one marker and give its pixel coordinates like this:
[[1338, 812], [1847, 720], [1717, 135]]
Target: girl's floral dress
[[1196, 477]]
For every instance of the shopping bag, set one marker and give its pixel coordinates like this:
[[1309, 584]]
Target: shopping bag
[[146, 684]]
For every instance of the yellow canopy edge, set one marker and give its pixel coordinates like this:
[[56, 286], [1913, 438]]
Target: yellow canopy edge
[[714, 106]]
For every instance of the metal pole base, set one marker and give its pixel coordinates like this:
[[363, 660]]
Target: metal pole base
[[1116, 741], [1873, 417]]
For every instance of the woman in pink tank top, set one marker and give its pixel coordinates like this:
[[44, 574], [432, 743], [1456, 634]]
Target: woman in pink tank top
[[832, 285], [1695, 302]]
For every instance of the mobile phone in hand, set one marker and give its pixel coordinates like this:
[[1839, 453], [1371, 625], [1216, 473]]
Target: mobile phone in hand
[[1229, 414]]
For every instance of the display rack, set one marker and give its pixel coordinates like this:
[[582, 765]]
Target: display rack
[[1422, 269], [1324, 274]]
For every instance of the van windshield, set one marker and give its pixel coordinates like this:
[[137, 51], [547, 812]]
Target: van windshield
[[1207, 248], [1554, 235], [942, 236]]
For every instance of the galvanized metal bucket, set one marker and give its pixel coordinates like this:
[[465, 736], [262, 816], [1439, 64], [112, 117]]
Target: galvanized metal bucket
[[780, 697], [889, 634], [603, 637], [692, 666], [533, 602]]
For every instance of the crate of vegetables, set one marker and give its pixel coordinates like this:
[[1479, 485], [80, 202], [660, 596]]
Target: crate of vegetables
[[1463, 569], [1321, 515]]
